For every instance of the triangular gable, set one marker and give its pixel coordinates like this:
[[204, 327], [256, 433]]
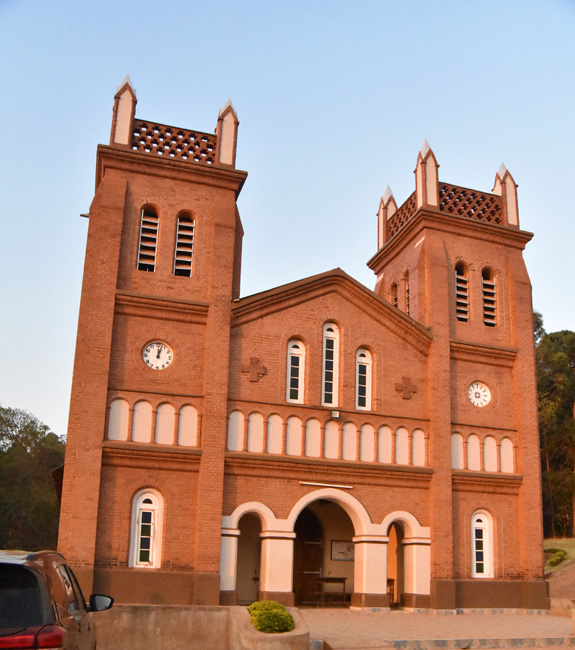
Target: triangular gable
[[287, 296]]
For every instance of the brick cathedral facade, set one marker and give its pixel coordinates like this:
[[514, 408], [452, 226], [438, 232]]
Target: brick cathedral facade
[[318, 440]]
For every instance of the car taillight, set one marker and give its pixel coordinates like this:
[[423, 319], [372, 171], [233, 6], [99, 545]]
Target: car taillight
[[50, 637], [20, 640]]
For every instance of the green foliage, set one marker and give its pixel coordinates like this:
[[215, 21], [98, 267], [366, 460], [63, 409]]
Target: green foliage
[[559, 556], [265, 605], [273, 621], [29, 507], [555, 358], [271, 617]]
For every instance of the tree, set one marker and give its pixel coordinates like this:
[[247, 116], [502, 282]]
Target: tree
[[555, 357], [28, 503]]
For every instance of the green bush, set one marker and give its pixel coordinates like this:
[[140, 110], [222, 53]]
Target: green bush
[[272, 620], [265, 606], [559, 555]]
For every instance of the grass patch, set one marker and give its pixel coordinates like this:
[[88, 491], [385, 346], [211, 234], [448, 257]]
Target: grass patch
[[555, 546]]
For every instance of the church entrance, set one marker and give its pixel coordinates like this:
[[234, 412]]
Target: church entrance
[[395, 564], [323, 555], [249, 554]]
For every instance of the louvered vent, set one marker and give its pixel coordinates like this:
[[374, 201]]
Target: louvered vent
[[184, 247], [148, 240]]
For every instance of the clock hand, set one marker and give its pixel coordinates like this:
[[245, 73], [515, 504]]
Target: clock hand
[[159, 350]]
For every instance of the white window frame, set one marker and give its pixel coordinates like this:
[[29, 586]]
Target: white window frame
[[363, 365], [184, 247], [146, 502], [148, 240], [482, 563], [295, 372], [330, 349]]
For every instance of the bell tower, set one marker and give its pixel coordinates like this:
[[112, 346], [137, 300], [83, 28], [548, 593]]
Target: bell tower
[[162, 268], [450, 257]]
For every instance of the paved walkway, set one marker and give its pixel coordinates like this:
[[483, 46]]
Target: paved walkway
[[344, 629]]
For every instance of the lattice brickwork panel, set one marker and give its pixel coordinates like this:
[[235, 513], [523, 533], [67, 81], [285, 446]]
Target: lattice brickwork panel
[[470, 204], [402, 216], [172, 142]]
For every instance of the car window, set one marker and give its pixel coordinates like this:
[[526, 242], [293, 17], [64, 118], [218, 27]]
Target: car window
[[64, 589], [19, 597]]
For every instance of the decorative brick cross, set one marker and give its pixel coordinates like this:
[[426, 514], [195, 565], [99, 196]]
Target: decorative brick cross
[[406, 387], [256, 370]]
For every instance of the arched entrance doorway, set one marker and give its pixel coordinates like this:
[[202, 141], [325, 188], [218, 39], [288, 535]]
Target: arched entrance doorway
[[395, 564], [323, 554], [249, 550]]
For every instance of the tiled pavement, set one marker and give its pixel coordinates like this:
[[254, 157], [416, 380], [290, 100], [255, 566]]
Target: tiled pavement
[[343, 629]]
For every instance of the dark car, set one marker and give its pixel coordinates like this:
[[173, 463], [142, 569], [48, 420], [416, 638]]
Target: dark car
[[41, 604]]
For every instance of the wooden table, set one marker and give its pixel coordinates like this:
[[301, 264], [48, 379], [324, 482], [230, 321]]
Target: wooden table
[[322, 597]]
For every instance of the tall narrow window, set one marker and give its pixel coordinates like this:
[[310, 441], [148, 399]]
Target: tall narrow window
[[295, 372], [394, 294], [184, 246], [146, 536], [489, 297], [363, 379], [481, 545], [148, 240], [330, 365], [407, 297], [461, 292]]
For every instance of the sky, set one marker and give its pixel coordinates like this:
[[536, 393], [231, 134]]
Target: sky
[[335, 99]]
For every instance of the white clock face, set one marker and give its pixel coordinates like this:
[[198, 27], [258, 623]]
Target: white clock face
[[157, 355], [479, 394]]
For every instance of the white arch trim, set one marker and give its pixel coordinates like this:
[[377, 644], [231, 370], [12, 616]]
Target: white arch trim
[[357, 513], [413, 528], [268, 520]]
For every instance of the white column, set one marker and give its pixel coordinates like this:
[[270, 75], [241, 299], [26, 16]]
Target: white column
[[229, 559], [370, 570], [277, 561], [417, 565]]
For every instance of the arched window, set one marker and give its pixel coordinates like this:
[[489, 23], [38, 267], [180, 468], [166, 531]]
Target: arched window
[[313, 438], [418, 448], [394, 299], [490, 454], [142, 422], [146, 530], [184, 249], [457, 457], [275, 425], [330, 365], [256, 433], [489, 297], [402, 446], [481, 545], [295, 372], [473, 453], [118, 420], [363, 379], [236, 431], [149, 225], [165, 424], [188, 426], [461, 292], [507, 460]]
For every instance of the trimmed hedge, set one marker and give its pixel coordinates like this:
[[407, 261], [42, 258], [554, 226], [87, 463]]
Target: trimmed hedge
[[270, 617]]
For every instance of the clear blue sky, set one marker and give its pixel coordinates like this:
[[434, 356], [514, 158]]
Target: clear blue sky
[[334, 100]]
